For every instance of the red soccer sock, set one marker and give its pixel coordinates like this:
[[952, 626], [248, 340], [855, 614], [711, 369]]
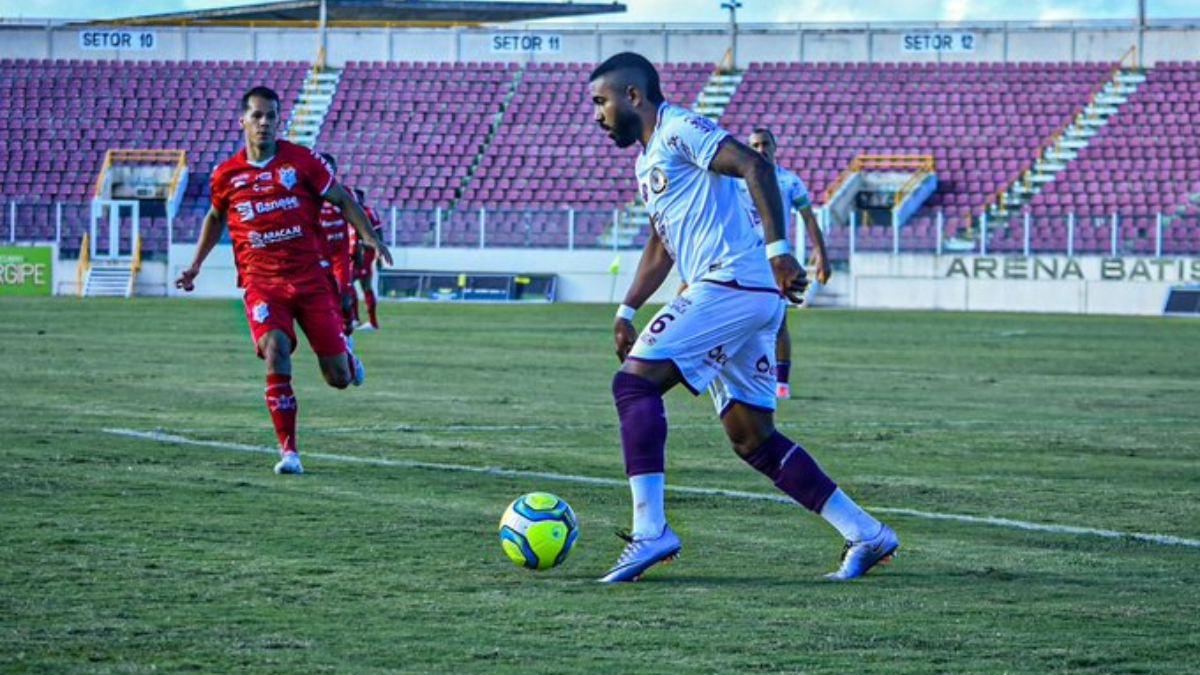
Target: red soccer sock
[[281, 403], [369, 298]]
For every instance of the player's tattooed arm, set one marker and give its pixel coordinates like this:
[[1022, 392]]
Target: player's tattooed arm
[[358, 219], [210, 234], [735, 159], [652, 271]]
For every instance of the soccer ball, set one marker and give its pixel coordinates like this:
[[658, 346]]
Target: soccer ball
[[538, 530]]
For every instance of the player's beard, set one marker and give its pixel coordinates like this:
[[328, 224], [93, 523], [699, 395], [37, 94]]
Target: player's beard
[[626, 129]]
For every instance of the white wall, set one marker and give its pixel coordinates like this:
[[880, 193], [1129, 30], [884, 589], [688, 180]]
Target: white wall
[[676, 43], [1077, 285], [1054, 284], [583, 275]]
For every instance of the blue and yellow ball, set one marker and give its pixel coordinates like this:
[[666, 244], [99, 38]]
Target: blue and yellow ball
[[538, 530]]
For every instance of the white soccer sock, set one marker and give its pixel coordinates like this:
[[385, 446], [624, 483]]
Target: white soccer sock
[[849, 518], [649, 513]]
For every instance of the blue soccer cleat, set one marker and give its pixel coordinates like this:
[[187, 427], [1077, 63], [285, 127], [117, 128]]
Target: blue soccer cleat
[[859, 557], [289, 463], [641, 554], [359, 374]]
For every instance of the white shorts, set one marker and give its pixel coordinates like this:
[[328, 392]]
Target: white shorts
[[720, 336]]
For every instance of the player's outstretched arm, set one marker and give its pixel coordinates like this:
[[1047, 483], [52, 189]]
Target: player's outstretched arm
[[820, 261], [210, 234], [358, 218], [735, 159], [652, 271]]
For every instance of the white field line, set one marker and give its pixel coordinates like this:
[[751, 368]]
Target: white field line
[[1159, 539]]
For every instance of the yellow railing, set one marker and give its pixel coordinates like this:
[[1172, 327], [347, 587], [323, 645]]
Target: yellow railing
[[155, 156], [84, 261], [1054, 140], [919, 164], [136, 266], [726, 65]]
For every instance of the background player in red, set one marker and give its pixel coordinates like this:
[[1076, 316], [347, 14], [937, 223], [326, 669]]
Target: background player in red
[[335, 238], [364, 265], [270, 193]]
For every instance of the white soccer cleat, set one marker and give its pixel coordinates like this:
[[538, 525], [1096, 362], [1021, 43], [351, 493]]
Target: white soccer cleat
[[289, 463], [365, 328], [642, 554], [783, 391], [859, 557]]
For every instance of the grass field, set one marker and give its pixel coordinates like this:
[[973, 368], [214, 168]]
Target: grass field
[[121, 554]]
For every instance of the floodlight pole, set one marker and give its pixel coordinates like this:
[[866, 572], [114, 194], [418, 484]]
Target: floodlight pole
[[321, 26], [1141, 29], [732, 6]]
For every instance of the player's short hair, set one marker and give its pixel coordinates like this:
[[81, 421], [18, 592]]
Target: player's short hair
[[261, 92], [767, 132], [328, 159], [632, 61]]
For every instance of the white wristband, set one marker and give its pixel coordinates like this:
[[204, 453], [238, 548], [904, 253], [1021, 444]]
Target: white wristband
[[778, 248], [626, 312]]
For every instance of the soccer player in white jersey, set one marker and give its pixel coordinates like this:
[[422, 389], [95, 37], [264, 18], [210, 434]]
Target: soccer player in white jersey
[[721, 330], [795, 197]]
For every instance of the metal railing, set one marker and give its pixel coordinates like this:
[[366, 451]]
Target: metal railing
[[1071, 233]]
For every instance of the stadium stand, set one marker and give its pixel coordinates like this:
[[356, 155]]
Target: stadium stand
[[1145, 161], [519, 142], [549, 152], [981, 122], [58, 117]]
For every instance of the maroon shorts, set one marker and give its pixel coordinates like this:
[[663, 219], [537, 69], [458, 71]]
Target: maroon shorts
[[279, 305]]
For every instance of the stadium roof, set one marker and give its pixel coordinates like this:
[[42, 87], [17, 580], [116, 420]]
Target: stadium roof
[[376, 12]]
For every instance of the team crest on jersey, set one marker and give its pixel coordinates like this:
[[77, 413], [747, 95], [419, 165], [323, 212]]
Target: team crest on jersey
[[287, 176], [260, 312], [658, 181]]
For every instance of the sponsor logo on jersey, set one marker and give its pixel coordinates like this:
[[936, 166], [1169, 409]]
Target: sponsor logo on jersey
[[677, 144], [245, 211], [248, 210], [239, 181], [287, 176], [717, 357], [265, 239], [658, 181], [704, 124], [260, 312]]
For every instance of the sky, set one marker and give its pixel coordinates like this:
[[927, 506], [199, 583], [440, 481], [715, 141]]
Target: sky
[[699, 11]]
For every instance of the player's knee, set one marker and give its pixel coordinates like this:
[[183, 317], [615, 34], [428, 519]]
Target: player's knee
[[628, 387], [747, 431], [339, 378]]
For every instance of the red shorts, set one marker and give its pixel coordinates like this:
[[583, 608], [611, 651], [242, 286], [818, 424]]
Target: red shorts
[[277, 305], [365, 270]]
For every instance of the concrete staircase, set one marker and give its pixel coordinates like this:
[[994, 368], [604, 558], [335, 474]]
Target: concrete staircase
[[1054, 157], [109, 280], [312, 105]]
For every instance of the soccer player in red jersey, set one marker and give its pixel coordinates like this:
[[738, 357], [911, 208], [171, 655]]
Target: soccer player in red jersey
[[364, 264], [335, 238], [269, 193]]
